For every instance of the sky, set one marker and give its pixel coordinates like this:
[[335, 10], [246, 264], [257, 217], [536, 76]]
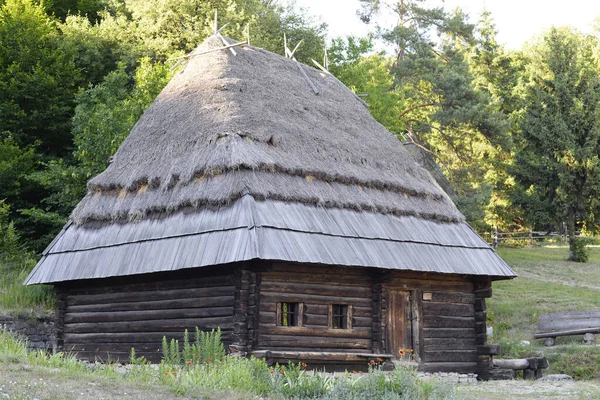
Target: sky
[[516, 20]]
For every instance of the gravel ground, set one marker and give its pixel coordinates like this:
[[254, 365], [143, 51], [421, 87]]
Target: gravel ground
[[525, 390]]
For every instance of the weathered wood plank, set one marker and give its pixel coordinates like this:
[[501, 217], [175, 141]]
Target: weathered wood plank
[[518, 363], [570, 315], [430, 285], [566, 325], [130, 337], [448, 322], [461, 367], [319, 289], [217, 301], [566, 333], [136, 296], [321, 278], [312, 269], [431, 308], [432, 344], [151, 325], [116, 316], [156, 284], [322, 309], [452, 297], [299, 331], [313, 299], [312, 342], [449, 332], [450, 356]]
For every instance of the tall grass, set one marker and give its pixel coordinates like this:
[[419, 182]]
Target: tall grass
[[203, 365]]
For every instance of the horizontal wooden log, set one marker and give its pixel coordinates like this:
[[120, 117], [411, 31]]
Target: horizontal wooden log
[[448, 322], [492, 349], [450, 356], [431, 285], [217, 301], [117, 316], [315, 341], [541, 335], [318, 278], [432, 344], [447, 309], [322, 309], [319, 356], [211, 280], [159, 325], [330, 289], [460, 367], [452, 297], [305, 331], [136, 296], [114, 347], [314, 299], [516, 364], [565, 325], [569, 315], [140, 337], [449, 332], [316, 269]]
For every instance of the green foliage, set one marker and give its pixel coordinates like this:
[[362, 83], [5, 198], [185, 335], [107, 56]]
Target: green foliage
[[37, 78], [579, 252], [580, 362], [557, 165], [206, 348]]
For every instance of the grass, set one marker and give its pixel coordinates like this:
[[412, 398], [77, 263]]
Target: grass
[[34, 374], [547, 283], [18, 299]]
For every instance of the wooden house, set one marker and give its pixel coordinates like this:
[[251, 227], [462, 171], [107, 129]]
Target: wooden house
[[292, 220]]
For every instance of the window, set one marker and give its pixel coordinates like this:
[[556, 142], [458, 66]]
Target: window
[[341, 316], [289, 314]]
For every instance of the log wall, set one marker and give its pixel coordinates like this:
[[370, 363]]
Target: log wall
[[316, 288], [443, 319], [106, 321]]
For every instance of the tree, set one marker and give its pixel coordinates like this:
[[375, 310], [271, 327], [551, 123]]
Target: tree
[[557, 165], [441, 105], [38, 79]]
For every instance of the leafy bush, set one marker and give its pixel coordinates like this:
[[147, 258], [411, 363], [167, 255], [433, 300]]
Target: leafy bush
[[578, 249]]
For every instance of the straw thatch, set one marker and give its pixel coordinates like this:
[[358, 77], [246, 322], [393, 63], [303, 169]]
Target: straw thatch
[[239, 160], [250, 124]]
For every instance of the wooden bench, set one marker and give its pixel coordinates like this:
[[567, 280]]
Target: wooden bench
[[282, 357], [567, 323]]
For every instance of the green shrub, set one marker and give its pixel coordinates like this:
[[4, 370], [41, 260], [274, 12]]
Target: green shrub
[[402, 384], [578, 249], [580, 362]]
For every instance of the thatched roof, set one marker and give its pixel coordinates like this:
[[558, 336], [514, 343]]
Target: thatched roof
[[229, 125], [228, 128]]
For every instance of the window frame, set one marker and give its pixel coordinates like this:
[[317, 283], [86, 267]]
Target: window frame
[[300, 314], [348, 316]]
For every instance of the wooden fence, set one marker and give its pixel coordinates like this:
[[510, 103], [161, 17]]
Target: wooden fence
[[526, 238]]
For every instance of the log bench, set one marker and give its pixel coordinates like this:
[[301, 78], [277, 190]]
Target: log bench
[[532, 367], [322, 358], [567, 323]]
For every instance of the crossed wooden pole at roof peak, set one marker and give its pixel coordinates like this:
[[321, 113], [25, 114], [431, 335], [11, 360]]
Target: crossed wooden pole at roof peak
[[290, 54]]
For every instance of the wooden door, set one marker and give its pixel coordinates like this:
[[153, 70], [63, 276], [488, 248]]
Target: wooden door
[[399, 322]]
